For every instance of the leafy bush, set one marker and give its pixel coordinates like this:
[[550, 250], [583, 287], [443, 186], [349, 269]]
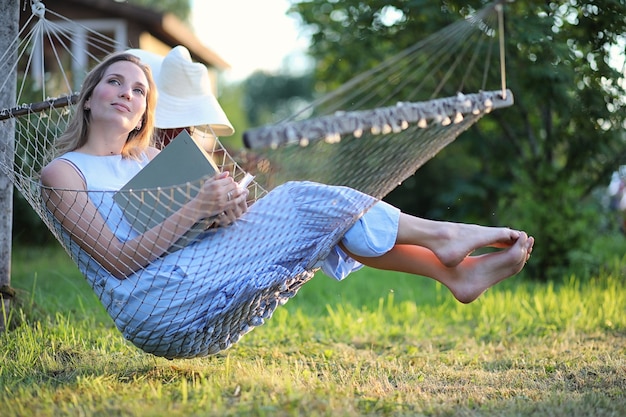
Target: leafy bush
[[564, 226]]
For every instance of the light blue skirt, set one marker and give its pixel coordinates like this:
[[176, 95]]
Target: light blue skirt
[[203, 298]]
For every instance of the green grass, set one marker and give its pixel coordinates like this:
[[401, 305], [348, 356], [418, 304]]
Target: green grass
[[377, 344]]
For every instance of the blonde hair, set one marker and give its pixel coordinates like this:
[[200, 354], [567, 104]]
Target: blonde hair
[[138, 140]]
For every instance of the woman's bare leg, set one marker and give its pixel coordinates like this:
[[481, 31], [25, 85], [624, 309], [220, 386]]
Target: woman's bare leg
[[472, 276], [452, 242]]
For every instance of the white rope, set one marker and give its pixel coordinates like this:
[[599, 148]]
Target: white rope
[[500, 11]]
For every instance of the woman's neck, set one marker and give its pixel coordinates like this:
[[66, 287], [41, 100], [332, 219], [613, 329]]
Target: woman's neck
[[103, 144]]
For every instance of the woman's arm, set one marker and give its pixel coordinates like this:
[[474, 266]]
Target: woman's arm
[[66, 197]]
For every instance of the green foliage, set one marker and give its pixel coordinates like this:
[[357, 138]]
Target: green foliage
[[562, 223], [28, 228], [350, 37], [231, 98], [271, 98]]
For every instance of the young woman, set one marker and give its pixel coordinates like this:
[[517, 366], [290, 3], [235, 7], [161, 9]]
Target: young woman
[[200, 299]]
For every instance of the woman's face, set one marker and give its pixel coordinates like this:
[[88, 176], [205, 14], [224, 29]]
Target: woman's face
[[120, 97]]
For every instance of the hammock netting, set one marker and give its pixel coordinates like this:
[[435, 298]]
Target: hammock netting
[[370, 135]]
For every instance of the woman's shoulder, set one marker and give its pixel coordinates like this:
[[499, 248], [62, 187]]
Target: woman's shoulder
[[61, 173]]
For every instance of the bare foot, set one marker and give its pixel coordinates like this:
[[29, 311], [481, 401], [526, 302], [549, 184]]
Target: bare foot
[[475, 274], [458, 240]]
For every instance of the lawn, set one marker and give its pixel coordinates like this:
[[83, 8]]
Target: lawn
[[377, 344]]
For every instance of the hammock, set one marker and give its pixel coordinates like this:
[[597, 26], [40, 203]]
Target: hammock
[[370, 134]]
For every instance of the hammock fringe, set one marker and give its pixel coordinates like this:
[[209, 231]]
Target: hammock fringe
[[381, 120]]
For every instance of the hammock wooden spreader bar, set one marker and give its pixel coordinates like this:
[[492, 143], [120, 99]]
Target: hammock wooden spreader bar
[[380, 120], [38, 106]]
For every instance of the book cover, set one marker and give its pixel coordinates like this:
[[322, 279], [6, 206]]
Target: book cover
[[167, 182]]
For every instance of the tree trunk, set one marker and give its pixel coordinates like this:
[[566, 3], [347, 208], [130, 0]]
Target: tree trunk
[[9, 26]]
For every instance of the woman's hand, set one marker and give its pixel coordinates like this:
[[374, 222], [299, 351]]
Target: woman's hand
[[222, 198]]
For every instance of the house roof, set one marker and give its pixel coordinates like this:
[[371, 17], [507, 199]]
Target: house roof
[[163, 26]]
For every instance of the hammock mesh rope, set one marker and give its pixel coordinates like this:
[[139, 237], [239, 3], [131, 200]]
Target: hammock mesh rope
[[369, 135]]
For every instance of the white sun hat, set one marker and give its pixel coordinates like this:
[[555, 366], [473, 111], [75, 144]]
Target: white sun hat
[[186, 98], [149, 58]]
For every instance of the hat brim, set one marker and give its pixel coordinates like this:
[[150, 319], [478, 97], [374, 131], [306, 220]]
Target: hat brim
[[203, 112]]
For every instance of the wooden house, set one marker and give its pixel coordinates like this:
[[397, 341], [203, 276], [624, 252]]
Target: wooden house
[[121, 25]]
